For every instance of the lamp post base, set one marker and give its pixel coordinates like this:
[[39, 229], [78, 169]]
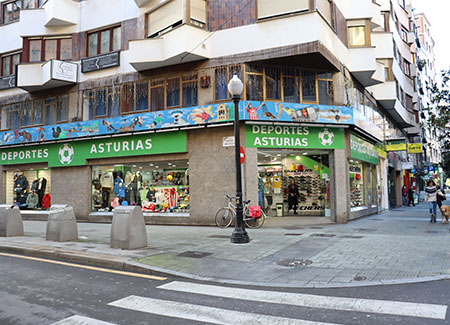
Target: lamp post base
[[240, 236]]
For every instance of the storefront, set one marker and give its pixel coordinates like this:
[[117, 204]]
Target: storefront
[[157, 185], [297, 155], [363, 177]]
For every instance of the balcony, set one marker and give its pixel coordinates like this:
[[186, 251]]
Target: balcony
[[51, 74], [385, 93], [175, 47], [362, 64], [383, 45], [142, 3], [376, 20], [60, 13], [411, 37]]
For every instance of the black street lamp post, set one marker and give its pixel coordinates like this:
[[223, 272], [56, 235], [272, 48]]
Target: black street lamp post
[[239, 235]]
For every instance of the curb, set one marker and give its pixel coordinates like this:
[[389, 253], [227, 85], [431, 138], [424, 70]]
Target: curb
[[129, 265]]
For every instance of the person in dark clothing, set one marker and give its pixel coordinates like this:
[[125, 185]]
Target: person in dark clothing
[[293, 196], [440, 197], [405, 195], [411, 196]]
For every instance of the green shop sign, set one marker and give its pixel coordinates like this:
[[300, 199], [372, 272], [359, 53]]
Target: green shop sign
[[363, 150], [299, 137], [75, 153]]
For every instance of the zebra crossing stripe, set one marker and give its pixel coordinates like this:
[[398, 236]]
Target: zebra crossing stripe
[[81, 320], [314, 301], [202, 313]]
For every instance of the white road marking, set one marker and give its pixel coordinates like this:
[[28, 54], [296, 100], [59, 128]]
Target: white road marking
[[81, 320], [202, 313], [314, 301]]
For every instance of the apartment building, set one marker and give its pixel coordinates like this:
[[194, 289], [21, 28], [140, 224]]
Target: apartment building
[[128, 104], [425, 79]]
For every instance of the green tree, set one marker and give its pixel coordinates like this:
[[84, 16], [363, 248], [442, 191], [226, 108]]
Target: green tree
[[438, 116]]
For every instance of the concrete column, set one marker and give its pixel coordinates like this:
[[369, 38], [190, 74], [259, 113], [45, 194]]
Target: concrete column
[[72, 186], [2, 184], [186, 11], [366, 185], [251, 175], [340, 186]]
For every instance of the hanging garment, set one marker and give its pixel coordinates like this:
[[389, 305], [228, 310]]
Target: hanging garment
[[46, 201]]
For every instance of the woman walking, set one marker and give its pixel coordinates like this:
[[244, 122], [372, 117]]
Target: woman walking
[[431, 198]]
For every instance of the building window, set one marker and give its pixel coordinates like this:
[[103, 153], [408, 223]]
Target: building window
[[325, 88], [33, 113], [222, 76], [358, 33], [254, 77], [388, 74], [11, 11], [308, 80], [144, 95], [104, 41], [273, 83], [45, 49], [406, 68], [291, 85], [8, 64], [404, 34]]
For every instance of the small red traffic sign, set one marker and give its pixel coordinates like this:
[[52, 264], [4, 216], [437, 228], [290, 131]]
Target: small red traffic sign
[[242, 155]]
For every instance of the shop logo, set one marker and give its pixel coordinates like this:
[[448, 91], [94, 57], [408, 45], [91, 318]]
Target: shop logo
[[326, 137], [65, 154]]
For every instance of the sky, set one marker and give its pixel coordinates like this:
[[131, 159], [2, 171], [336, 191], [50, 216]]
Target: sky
[[437, 12]]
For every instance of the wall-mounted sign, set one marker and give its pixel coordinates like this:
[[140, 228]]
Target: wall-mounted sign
[[282, 136], [363, 150], [228, 141], [415, 148], [396, 145], [407, 165], [100, 62], [76, 153], [7, 82], [64, 71]]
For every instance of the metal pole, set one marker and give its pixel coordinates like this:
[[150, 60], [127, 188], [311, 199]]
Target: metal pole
[[239, 235]]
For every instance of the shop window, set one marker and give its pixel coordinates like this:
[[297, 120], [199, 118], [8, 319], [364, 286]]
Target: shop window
[[358, 33], [102, 102], [127, 98], [104, 41], [9, 63], [157, 187], [223, 76], [4, 123], [11, 11], [309, 86], [20, 185], [356, 172], [50, 110], [15, 116], [45, 49]]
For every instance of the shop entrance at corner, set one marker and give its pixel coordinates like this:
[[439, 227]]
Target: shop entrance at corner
[[307, 169]]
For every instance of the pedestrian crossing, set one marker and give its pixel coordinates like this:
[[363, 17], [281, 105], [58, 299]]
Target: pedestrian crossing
[[213, 315]]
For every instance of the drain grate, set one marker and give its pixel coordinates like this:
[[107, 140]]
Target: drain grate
[[294, 262], [323, 235], [292, 227], [366, 229], [315, 227], [360, 278], [292, 234], [219, 236], [433, 232], [352, 237], [373, 219], [194, 254]]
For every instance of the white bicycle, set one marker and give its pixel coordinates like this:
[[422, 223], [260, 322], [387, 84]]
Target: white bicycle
[[225, 216]]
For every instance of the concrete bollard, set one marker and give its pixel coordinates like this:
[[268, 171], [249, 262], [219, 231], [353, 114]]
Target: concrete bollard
[[128, 228], [61, 224], [11, 223]]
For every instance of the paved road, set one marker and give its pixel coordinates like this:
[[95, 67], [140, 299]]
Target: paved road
[[46, 292], [395, 247]]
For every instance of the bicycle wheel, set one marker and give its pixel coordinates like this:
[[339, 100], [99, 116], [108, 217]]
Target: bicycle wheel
[[255, 223], [224, 217]]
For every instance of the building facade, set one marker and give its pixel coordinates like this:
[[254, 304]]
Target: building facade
[[102, 105]]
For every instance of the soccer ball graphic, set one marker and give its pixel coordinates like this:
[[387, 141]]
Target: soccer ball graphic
[[65, 154], [326, 137]]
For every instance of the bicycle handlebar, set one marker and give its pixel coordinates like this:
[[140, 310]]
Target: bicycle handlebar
[[234, 198]]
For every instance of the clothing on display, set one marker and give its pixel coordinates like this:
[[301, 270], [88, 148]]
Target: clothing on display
[[32, 200]]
